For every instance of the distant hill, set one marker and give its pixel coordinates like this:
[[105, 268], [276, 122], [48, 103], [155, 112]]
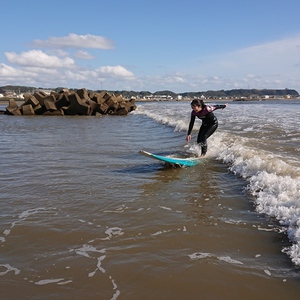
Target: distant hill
[[240, 93], [235, 93]]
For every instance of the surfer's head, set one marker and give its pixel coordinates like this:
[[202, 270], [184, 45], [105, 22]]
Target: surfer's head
[[197, 103]]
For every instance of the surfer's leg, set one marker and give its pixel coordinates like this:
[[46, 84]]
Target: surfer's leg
[[210, 130], [204, 133], [201, 139]]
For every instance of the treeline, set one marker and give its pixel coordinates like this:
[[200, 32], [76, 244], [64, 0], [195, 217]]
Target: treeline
[[240, 93], [237, 93]]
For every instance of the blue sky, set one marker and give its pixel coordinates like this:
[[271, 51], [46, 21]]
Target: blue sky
[[182, 46]]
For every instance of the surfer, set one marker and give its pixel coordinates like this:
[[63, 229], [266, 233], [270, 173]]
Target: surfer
[[209, 122]]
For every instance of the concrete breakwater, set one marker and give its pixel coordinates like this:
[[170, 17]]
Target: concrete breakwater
[[68, 102]]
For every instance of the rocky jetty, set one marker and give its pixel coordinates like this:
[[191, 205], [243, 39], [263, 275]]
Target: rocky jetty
[[68, 102]]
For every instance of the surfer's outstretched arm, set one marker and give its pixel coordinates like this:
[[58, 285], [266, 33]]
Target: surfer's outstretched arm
[[191, 125]]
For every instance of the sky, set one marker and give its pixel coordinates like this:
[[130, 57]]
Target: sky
[[141, 45]]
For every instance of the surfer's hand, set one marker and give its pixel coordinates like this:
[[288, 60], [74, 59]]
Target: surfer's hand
[[188, 138]]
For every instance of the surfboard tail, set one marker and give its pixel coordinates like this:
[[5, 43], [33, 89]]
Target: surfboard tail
[[187, 162]]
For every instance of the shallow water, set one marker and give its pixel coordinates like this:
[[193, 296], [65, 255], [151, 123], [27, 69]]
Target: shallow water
[[84, 216]]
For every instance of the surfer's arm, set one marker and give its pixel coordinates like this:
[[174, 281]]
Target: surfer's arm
[[191, 125], [220, 106]]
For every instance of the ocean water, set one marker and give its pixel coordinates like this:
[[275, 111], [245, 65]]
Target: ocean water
[[85, 216]]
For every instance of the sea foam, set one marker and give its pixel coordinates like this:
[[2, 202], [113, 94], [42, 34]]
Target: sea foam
[[262, 148]]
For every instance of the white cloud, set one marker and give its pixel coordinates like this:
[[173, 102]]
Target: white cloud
[[269, 65], [37, 58], [83, 55], [58, 52], [75, 41], [34, 74], [115, 71], [175, 78], [8, 71], [11, 75]]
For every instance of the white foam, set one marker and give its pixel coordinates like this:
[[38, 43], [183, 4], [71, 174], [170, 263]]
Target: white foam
[[49, 281], [27, 213], [274, 183], [199, 255], [113, 231], [9, 269], [166, 208], [117, 293], [278, 196], [118, 210], [99, 259], [21, 217], [65, 282], [166, 117], [202, 255], [85, 251], [262, 148], [229, 260], [6, 232], [160, 232]]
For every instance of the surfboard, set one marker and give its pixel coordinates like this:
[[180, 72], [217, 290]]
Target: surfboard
[[182, 162]]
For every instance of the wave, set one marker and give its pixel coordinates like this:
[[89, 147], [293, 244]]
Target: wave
[[274, 183], [271, 173]]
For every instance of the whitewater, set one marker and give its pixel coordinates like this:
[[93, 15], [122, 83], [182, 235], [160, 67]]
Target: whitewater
[[259, 141]]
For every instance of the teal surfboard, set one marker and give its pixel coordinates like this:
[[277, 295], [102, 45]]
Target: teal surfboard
[[182, 162]]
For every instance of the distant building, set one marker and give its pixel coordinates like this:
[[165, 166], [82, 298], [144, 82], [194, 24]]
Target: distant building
[[10, 94], [47, 92]]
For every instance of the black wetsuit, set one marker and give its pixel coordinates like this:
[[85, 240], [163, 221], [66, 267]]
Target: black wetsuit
[[208, 127]]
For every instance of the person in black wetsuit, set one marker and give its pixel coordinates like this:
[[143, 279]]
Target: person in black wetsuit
[[209, 122]]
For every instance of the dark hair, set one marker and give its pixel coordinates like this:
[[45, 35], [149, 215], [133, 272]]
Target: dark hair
[[198, 102]]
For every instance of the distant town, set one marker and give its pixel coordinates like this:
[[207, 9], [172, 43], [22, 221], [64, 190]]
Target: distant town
[[17, 92]]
